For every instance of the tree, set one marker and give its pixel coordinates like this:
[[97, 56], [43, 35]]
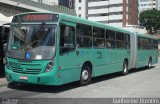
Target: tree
[[150, 19]]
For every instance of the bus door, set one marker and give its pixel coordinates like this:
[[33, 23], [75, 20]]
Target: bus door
[[140, 52], [69, 62], [99, 54]]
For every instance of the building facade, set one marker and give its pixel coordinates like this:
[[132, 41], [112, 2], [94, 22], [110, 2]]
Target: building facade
[[48, 2], [146, 5], [81, 7], [158, 4], [9, 8], [133, 12], [66, 3], [114, 12], [12, 7]]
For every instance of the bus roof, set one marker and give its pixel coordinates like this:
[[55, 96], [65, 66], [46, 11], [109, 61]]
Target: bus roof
[[92, 23], [81, 20], [66, 17], [146, 36]]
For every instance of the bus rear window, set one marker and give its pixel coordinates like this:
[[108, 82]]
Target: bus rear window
[[43, 17]]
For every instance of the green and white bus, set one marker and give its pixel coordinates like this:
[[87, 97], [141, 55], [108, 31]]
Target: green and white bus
[[55, 49]]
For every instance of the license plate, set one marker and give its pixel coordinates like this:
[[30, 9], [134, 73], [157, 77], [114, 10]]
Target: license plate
[[23, 78]]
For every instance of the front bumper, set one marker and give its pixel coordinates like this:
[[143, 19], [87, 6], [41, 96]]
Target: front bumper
[[49, 78]]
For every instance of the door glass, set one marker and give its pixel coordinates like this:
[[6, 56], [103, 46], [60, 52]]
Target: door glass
[[67, 38]]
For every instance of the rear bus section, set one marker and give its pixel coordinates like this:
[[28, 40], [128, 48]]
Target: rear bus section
[[147, 51]]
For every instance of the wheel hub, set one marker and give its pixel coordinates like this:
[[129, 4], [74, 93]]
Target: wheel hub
[[125, 68], [149, 64], [85, 75]]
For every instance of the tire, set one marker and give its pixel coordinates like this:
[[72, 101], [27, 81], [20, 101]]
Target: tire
[[149, 63], [12, 84], [125, 68], [85, 77]]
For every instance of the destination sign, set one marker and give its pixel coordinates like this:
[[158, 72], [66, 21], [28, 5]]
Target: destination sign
[[36, 18]]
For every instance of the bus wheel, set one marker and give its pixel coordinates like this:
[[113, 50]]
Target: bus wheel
[[149, 63], [85, 75], [125, 68], [12, 84]]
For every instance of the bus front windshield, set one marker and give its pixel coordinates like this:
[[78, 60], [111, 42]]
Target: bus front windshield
[[32, 41]]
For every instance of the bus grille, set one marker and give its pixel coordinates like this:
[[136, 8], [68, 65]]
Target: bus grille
[[26, 71]]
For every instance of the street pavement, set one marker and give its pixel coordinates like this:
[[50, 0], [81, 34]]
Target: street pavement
[[138, 83]]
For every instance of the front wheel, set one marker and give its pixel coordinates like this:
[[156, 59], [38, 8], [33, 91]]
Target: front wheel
[[125, 68], [85, 77]]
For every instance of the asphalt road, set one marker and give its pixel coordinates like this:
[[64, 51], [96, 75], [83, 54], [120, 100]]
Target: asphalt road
[[138, 83]]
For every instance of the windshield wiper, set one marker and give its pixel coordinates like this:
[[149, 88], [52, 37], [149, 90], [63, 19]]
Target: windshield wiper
[[28, 45]]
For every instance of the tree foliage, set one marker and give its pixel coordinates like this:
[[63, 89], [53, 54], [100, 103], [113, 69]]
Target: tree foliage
[[150, 19]]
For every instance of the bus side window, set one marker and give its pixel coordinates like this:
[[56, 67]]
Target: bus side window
[[98, 36], [110, 39], [67, 38], [84, 36]]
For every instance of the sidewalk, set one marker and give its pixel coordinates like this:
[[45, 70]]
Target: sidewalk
[[3, 82]]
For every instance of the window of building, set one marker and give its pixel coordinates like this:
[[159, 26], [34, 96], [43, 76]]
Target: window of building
[[70, 4], [80, 1], [79, 8], [40, 1]]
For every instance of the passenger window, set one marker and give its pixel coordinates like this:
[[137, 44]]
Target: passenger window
[[127, 41], [67, 38], [84, 36], [110, 39], [147, 43], [156, 44], [122, 40], [98, 38], [142, 43]]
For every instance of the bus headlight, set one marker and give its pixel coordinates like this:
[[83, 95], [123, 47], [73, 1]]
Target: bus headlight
[[49, 66]]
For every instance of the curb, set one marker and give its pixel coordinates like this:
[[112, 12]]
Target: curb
[[5, 84]]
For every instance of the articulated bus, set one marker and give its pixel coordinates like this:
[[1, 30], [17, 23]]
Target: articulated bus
[[55, 49]]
